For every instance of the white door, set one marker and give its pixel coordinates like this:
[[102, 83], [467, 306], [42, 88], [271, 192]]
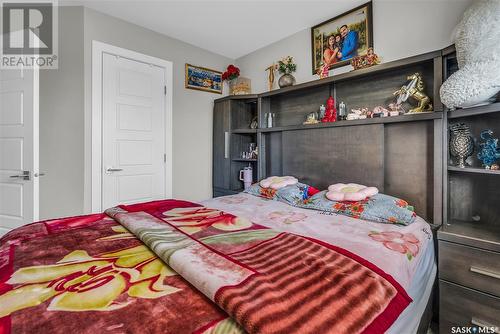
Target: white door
[[133, 131], [18, 148]]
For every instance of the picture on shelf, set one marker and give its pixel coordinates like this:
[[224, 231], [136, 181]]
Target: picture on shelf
[[336, 41], [202, 78]]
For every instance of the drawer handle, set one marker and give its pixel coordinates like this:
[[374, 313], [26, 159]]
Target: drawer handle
[[485, 272], [481, 323], [226, 145]]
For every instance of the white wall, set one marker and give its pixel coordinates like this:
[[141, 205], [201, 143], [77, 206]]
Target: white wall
[[61, 122], [401, 29], [66, 108]]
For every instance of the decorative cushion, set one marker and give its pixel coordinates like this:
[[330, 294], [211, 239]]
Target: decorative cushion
[[478, 56], [277, 182], [292, 194], [379, 208], [350, 192]]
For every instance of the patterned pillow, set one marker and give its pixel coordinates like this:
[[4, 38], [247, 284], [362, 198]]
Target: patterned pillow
[[379, 208], [293, 194]]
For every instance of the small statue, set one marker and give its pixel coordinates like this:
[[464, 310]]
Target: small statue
[[415, 90], [312, 118], [270, 78], [490, 152], [367, 60], [331, 111], [395, 109], [380, 111]]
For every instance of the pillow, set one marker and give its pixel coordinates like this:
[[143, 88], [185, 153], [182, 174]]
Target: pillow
[[292, 194], [350, 192], [277, 182], [379, 208]]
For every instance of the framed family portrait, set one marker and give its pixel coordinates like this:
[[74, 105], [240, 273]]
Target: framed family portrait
[[202, 78], [336, 41]]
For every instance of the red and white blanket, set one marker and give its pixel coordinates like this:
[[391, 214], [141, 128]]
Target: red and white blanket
[[171, 266]]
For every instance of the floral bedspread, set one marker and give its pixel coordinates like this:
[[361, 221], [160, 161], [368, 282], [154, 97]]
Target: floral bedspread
[[396, 249], [178, 267]]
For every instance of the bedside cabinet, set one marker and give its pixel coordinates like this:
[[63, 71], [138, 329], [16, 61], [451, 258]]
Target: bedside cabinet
[[469, 283]]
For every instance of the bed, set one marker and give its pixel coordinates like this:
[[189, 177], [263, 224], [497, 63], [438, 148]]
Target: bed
[[231, 264]]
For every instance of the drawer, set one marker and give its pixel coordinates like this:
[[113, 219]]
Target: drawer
[[460, 306], [470, 267]]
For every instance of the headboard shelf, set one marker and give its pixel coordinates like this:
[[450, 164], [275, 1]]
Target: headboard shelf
[[395, 119], [370, 71]]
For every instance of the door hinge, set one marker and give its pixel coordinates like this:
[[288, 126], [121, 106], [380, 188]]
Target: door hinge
[[165, 90], [164, 157]]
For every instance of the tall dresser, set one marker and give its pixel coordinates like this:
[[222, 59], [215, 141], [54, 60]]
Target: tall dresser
[[469, 240]]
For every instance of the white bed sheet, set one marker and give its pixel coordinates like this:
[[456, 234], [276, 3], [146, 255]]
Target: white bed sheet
[[416, 276]]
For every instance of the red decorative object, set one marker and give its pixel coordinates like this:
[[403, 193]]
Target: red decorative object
[[231, 73], [331, 111]]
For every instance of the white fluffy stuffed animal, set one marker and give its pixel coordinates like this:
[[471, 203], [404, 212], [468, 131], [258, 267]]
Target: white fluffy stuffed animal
[[477, 43]]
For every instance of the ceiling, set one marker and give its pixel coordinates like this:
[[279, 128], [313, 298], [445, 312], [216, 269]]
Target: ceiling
[[229, 28]]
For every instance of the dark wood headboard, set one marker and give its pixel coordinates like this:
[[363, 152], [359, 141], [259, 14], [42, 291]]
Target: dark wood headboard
[[402, 159]]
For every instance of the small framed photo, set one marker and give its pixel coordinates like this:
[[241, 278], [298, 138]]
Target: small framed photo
[[336, 41], [202, 78]]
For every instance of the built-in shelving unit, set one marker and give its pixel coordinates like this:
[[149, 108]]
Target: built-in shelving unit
[[469, 240], [290, 147]]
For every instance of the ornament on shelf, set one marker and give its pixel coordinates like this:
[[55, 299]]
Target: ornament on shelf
[[414, 89], [370, 59], [461, 143], [331, 111], [270, 78], [490, 152]]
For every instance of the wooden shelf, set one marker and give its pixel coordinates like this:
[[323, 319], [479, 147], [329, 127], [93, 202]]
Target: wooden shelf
[[392, 119], [473, 170], [244, 131], [244, 160], [393, 65], [473, 111], [475, 234], [250, 97]]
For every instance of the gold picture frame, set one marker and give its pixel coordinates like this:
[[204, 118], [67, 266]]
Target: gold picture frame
[[202, 78]]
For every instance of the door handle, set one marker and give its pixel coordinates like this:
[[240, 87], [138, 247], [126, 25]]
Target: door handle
[[111, 169], [24, 176], [38, 174]]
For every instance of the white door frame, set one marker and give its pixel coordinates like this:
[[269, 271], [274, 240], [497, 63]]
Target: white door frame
[[98, 48]]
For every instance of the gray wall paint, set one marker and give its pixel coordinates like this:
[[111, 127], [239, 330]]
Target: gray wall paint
[[400, 28], [66, 109], [61, 122]]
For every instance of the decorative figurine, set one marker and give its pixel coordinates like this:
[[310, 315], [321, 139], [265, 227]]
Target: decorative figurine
[[380, 111], [331, 111], [270, 78], [367, 60], [342, 112], [255, 123], [323, 71], [414, 89], [312, 118], [490, 152], [461, 143], [322, 111]]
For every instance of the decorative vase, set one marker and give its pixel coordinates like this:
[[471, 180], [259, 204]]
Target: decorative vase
[[239, 86], [286, 80], [461, 143]]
